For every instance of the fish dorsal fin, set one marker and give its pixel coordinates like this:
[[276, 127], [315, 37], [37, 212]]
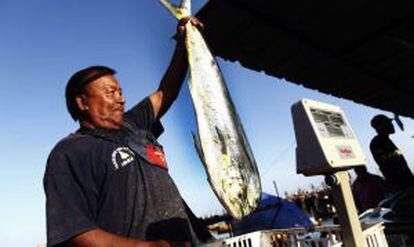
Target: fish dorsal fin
[[200, 153], [197, 146], [180, 11]]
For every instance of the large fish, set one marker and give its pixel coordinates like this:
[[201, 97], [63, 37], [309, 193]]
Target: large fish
[[222, 144]]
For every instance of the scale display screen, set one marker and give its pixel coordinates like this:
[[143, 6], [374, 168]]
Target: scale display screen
[[330, 124], [325, 140]]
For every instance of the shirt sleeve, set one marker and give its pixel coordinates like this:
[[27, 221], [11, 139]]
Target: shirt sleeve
[[142, 115], [67, 210]]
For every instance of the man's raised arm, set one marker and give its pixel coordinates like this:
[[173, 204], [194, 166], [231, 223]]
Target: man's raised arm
[[173, 78]]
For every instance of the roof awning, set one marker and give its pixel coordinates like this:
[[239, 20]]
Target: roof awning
[[362, 50]]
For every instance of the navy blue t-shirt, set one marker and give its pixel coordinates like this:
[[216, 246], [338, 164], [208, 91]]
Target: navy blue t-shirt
[[94, 183]]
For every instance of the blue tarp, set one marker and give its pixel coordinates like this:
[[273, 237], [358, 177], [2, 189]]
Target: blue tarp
[[273, 213]]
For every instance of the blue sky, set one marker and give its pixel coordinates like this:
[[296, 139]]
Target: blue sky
[[43, 42]]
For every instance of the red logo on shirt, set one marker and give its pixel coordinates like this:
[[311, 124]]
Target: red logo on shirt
[[156, 156]]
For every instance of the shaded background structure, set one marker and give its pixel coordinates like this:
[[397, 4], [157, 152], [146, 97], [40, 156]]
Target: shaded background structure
[[362, 50]]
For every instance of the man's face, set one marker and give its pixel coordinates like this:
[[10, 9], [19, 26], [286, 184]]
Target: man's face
[[103, 103], [387, 127], [391, 128]]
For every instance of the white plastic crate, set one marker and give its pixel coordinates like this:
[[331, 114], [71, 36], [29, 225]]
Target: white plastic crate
[[375, 237], [301, 237]]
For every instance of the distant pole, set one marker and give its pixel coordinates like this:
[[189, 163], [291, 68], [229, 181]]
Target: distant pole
[[276, 190]]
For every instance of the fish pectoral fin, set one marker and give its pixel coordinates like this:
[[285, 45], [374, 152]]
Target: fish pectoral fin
[[197, 146], [180, 11]]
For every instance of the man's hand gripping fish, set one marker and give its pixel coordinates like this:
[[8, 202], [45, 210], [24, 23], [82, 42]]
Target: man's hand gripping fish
[[223, 147]]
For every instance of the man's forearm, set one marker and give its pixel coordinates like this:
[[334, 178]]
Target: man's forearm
[[174, 76], [171, 82], [100, 238]]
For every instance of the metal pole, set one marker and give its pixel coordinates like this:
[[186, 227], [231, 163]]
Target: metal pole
[[344, 202], [276, 190]]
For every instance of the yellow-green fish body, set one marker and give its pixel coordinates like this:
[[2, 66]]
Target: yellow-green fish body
[[223, 147]]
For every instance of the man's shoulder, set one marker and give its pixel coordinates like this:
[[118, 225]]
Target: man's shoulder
[[70, 151], [381, 144], [379, 141], [75, 146], [74, 142]]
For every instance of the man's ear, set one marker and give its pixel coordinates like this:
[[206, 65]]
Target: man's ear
[[82, 102]]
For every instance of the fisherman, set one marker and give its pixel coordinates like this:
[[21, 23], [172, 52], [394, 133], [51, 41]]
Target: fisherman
[[108, 183], [368, 189], [389, 158]]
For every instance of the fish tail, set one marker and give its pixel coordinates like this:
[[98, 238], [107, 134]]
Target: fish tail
[[178, 11]]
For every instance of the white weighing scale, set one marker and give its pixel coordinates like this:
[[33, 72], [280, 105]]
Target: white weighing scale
[[326, 145]]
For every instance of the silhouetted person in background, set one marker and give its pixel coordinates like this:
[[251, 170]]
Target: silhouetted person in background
[[368, 189], [388, 157]]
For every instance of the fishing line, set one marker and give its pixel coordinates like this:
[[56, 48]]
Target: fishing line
[[278, 156]]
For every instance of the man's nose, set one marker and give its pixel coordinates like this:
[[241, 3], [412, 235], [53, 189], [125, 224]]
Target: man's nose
[[120, 99]]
